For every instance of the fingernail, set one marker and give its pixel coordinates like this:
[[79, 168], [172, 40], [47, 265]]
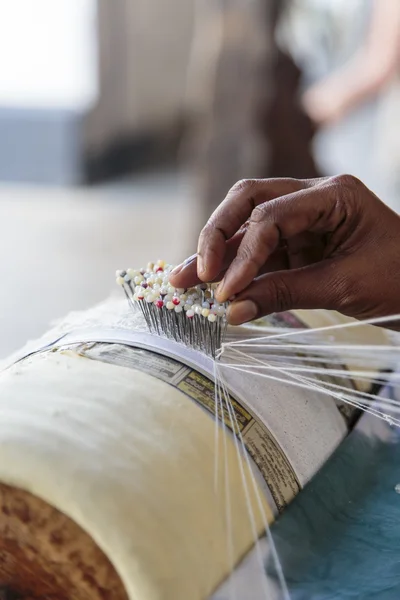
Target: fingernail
[[242, 312], [177, 269], [220, 296], [190, 259], [219, 292], [200, 265]]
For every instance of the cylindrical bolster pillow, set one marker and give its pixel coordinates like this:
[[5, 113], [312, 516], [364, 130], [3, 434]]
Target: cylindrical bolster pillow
[[116, 483]]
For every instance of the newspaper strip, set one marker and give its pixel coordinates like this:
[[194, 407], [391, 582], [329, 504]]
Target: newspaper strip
[[261, 445]]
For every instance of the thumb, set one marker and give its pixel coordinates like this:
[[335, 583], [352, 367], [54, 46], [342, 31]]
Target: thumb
[[317, 286]]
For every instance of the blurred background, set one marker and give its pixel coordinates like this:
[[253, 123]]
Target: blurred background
[[123, 124]]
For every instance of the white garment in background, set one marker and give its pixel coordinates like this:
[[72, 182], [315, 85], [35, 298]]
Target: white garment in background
[[322, 36]]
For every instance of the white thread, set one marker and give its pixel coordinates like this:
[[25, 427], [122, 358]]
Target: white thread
[[306, 385], [228, 515], [216, 431], [374, 321], [307, 382], [275, 556], [246, 488]]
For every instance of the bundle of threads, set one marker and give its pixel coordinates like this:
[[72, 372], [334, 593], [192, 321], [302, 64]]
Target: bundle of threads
[[189, 316]]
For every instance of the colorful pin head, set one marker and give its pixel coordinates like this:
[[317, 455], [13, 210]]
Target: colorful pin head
[[188, 316]]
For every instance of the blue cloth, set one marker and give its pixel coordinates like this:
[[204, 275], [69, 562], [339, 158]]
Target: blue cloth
[[340, 539]]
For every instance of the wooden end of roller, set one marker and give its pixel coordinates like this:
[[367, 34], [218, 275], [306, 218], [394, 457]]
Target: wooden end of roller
[[44, 555]]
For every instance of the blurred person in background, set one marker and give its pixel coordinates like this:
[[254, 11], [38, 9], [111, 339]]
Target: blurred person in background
[[242, 100], [350, 52], [372, 68]]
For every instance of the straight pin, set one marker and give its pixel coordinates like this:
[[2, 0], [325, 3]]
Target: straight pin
[[191, 317]]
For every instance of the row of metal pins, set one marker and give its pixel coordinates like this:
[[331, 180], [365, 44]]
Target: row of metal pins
[[196, 332]]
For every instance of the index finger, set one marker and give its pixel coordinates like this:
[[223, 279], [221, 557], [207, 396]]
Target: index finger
[[185, 275], [318, 210], [232, 213]]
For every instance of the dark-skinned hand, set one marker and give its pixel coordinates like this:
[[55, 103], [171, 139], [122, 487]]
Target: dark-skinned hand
[[282, 244]]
